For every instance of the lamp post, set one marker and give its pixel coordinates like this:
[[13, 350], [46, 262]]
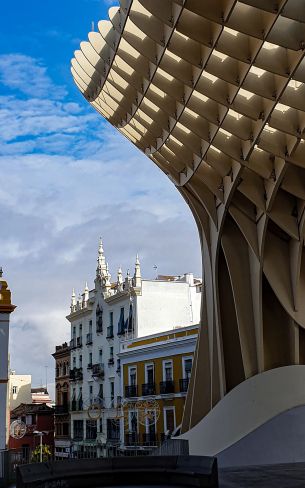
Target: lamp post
[[40, 434]]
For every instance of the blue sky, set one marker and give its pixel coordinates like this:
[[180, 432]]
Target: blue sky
[[67, 178]]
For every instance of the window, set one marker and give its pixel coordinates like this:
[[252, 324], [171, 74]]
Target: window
[[74, 332], [65, 428], [74, 362], [111, 352], [101, 392], [133, 421], [90, 327], [90, 357], [91, 391], [113, 429], [112, 390], [91, 429], [100, 355], [80, 361], [111, 319], [167, 370], [80, 330], [169, 419], [78, 429], [132, 376], [121, 324], [187, 367], [149, 373], [14, 390], [101, 425]]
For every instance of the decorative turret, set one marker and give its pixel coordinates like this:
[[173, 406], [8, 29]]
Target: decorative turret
[[86, 294], [137, 279], [120, 280], [128, 281], [73, 301], [106, 281], [101, 261]]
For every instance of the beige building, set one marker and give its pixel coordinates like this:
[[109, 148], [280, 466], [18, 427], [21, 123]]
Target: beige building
[[19, 389], [213, 94]]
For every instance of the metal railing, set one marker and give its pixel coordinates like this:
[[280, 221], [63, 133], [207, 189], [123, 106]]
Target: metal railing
[[150, 439], [76, 374], [61, 409], [131, 391], [98, 370], [184, 383], [148, 389], [167, 387], [73, 343], [110, 361]]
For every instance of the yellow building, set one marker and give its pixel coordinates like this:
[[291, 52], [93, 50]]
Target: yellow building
[[155, 375]]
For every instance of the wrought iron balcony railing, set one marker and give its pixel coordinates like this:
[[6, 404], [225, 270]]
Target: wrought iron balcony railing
[[76, 374], [131, 391], [110, 361], [98, 370], [167, 387], [132, 439], [150, 439], [184, 383], [148, 389]]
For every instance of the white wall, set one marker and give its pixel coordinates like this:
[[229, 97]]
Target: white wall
[[164, 305], [23, 395]]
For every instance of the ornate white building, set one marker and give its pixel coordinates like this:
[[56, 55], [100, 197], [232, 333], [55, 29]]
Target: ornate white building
[[100, 318]]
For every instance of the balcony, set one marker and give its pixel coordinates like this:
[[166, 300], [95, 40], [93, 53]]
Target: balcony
[[184, 383], [110, 361], [98, 370], [110, 332], [61, 409], [79, 342], [77, 405], [150, 439], [73, 343], [89, 339], [98, 401], [99, 329], [132, 439], [131, 391], [167, 387], [76, 374], [148, 389]]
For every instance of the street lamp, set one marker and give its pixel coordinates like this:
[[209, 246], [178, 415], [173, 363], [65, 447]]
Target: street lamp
[[40, 434]]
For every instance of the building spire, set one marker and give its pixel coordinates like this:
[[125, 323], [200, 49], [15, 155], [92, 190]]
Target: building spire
[[137, 278], [86, 293], [120, 279], [73, 301], [101, 261]]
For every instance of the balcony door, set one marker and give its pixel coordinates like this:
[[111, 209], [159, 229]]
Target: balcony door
[[169, 419], [149, 374]]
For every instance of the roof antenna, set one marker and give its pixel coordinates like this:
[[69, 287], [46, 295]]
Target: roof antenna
[[93, 26]]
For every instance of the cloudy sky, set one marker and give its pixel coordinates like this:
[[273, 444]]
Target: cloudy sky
[[67, 178]]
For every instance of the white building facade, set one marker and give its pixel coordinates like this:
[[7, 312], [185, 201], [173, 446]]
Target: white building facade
[[100, 318]]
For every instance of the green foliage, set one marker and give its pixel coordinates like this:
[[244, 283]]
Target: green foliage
[[46, 454]]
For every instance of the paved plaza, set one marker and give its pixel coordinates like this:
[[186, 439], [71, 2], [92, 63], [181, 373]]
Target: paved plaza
[[275, 476]]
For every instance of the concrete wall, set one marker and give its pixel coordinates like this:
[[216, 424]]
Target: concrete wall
[[227, 430]]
